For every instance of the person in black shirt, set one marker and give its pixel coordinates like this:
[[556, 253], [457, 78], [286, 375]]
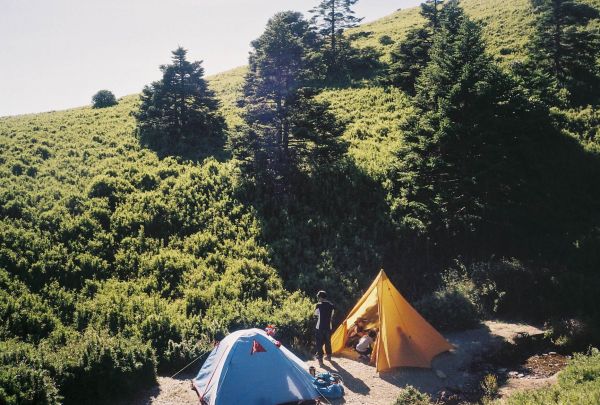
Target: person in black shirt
[[324, 314]]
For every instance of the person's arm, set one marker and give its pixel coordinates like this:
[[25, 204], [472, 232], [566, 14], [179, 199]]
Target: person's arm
[[331, 318]]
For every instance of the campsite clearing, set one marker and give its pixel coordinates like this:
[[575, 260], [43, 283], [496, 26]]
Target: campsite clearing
[[364, 386]]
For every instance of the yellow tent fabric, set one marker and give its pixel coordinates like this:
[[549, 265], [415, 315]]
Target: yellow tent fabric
[[404, 338]]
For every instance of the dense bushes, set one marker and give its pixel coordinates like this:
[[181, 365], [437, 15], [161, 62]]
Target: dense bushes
[[85, 368], [412, 396], [115, 263], [454, 306], [22, 379], [98, 366]]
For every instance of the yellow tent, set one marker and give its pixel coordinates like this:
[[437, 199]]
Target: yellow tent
[[405, 339]]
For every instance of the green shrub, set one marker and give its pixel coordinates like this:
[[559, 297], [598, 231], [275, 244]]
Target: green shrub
[[489, 386], [23, 314], [454, 306], [412, 396], [103, 98], [571, 334], [386, 40], [23, 380], [97, 366]]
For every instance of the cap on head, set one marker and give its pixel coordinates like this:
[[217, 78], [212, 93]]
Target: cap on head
[[321, 294]]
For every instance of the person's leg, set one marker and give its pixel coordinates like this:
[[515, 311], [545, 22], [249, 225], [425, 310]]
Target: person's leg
[[327, 339], [319, 341]]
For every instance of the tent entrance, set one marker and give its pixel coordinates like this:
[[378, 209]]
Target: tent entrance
[[404, 338]]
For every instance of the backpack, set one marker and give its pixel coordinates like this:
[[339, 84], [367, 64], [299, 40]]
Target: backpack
[[329, 385]]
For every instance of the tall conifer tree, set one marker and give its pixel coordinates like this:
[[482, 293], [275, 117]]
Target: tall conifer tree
[[565, 51], [412, 55], [459, 160], [282, 114], [332, 17], [180, 106]]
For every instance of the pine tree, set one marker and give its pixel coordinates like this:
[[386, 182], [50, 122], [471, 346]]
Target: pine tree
[[565, 51], [431, 10], [412, 55], [459, 160], [282, 116], [180, 107], [332, 17], [409, 59]]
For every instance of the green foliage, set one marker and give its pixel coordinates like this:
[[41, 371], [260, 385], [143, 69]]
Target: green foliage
[[456, 305], [86, 368], [22, 380], [117, 259], [24, 314], [409, 59], [571, 334], [582, 124], [579, 383], [386, 40], [411, 56], [489, 387], [178, 108], [286, 123], [332, 17], [564, 51], [109, 238], [412, 396], [103, 99], [98, 366], [459, 90], [431, 11], [505, 288]]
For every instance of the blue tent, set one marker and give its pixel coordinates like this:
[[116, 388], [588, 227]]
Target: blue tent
[[248, 367]]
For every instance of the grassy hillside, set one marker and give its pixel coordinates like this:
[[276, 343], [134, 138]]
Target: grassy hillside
[[507, 25], [107, 251], [117, 260]]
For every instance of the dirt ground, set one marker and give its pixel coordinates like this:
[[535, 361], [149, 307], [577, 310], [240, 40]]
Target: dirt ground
[[364, 386]]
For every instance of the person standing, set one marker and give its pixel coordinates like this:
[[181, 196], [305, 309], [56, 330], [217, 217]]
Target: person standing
[[324, 313]]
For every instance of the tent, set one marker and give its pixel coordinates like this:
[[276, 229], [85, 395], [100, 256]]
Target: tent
[[250, 367], [405, 339]]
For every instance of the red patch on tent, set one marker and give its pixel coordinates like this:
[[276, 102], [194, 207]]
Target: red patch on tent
[[257, 348]]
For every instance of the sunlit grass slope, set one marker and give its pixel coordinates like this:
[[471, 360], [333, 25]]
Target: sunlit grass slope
[[100, 236], [371, 115]]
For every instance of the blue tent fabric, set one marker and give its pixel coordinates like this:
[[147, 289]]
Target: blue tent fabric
[[233, 374]]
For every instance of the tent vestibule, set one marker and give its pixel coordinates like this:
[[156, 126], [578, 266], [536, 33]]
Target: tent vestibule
[[404, 339]]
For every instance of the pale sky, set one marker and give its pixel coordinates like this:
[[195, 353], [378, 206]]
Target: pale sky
[[55, 54]]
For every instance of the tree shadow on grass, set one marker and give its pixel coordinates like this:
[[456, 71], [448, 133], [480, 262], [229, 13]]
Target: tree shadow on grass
[[214, 146], [327, 228]]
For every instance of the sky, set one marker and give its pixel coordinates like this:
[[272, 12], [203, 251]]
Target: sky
[[55, 54]]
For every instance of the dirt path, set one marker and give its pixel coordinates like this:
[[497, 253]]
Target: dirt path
[[365, 387]]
